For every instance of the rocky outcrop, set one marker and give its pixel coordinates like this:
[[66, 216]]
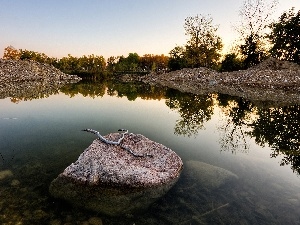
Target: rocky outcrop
[[111, 180], [275, 81]]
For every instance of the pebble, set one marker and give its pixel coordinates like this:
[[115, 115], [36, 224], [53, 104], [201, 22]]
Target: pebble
[[95, 221], [4, 174], [55, 222], [15, 183]]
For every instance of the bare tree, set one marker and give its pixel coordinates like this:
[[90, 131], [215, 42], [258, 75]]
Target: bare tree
[[255, 17]]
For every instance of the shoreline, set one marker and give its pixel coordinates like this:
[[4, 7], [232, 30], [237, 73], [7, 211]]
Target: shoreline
[[27, 79], [273, 81]]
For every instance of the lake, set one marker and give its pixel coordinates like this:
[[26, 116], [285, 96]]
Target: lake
[[40, 135]]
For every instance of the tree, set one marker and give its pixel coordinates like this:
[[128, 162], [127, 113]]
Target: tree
[[231, 63], [11, 53], [285, 37], [177, 59], [130, 63], [149, 62], [255, 15], [252, 51], [111, 62], [36, 56], [204, 45]]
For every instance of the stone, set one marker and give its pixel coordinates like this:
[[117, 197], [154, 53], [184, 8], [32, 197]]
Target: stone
[[95, 221], [15, 183], [55, 222], [110, 180], [4, 174], [208, 176]]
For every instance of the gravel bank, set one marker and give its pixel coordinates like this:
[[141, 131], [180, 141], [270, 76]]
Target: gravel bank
[[24, 79], [275, 81]]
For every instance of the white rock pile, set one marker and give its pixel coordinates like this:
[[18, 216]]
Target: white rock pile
[[272, 80], [28, 70], [23, 79]]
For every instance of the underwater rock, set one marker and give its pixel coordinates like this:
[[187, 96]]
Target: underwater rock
[[15, 183], [95, 221], [5, 174], [208, 176], [111, 180]]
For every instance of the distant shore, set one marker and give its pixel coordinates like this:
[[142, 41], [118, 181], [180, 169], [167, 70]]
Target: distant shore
[[272, 80], [28, 70], [24, 79]]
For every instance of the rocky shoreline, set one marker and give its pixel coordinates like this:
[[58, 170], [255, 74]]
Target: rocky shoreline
[[277, 82], [26, 79]]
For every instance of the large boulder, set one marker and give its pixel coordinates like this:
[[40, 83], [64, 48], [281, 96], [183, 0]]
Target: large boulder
[[119, 179]]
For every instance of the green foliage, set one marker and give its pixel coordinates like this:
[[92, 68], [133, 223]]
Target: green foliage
[[204, 45], [130, 63], [285, 37], [177, 59], [90, 66], [39, 57], [134, 63], [231, 63]]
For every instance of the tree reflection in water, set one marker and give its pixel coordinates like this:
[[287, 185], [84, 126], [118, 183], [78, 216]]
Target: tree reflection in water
[[280, 129], [277, 127], [194, 110], [239, 113]]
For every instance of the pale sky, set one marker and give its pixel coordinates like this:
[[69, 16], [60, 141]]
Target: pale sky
[[112, 27]]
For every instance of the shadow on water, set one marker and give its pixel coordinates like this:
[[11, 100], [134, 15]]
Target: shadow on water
[[189, 202]]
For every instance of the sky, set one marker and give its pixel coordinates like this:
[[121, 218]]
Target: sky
[[113, 27]]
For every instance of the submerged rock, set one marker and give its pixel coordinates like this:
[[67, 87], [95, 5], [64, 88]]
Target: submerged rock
[[4, 174], [208, 176], [111, 180]]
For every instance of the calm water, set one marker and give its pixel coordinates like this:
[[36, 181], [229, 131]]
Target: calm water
[[39, 137]]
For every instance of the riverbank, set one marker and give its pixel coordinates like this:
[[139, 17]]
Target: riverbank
[[277, 82], [24, 79], [28, 70]]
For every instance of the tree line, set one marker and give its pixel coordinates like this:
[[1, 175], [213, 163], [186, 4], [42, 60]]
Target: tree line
[[258, 39], [93, 65]]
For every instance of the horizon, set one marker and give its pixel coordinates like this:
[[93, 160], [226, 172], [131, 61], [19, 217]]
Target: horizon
[[114, 28]]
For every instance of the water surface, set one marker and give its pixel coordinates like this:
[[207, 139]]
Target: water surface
[[39, 137]]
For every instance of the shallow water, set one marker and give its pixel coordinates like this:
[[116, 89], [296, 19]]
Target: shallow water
[[42, 136]]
